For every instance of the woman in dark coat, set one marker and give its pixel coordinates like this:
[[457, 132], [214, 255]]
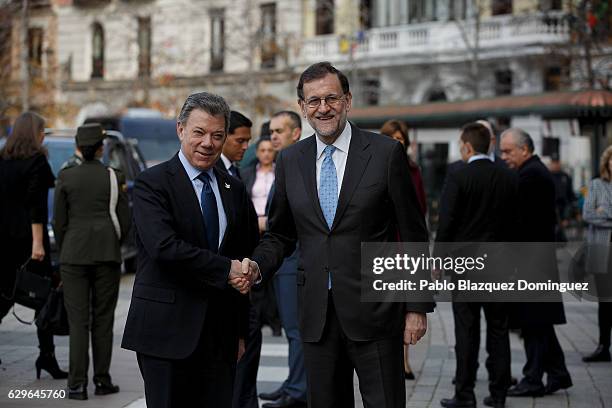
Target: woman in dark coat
[[26, 178], [398, 130]]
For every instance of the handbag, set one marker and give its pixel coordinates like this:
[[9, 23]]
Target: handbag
[[53, 316], [31, 289]]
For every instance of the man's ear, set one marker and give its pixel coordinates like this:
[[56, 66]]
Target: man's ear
[[349, 100], [302, 107], [179, 130], [295, 134]]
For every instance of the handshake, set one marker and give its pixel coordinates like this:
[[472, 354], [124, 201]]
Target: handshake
[[243, 275]]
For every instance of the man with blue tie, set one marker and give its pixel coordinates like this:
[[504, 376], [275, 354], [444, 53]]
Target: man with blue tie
[[187, 320], [333, 191]]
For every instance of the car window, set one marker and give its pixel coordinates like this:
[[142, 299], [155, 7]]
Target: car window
[[58, 153]]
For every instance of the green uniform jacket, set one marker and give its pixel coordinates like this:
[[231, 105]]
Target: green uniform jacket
[[83, 228]]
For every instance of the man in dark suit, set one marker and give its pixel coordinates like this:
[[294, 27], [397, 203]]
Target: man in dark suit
[[236, 143], [333, 191], [185, 322], [536, 223], [286, 130], [470, 206]]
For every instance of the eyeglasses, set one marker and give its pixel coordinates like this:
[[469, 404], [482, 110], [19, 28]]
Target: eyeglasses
[[330, 100]]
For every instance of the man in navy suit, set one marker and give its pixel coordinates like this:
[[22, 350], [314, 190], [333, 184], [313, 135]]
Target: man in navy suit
[[285, 130], [193, 224]]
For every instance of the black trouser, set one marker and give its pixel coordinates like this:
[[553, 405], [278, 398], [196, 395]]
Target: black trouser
[[90, 296], [330, 364], [544, 355], [245, 384], [205, 379], [467, 338], [604, 312]]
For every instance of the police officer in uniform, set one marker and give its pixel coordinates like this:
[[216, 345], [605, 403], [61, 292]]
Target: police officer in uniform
[[91, 216]]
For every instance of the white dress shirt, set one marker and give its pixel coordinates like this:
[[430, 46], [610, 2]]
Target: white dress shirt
[[339, 156], [198, 185], [479, 156]]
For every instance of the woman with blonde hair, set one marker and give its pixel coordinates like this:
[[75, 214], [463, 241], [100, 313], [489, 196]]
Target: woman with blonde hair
[[597, 213], [26, 178]]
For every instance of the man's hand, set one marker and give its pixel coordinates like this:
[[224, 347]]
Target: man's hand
[[251, 269], [237, 279], [416, 327], [241, 348]]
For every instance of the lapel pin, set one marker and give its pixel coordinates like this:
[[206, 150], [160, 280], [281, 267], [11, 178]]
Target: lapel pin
[[227, 185]]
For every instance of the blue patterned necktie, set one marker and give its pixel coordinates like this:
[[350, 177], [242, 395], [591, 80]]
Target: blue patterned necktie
[[328, 190], [209, 212]]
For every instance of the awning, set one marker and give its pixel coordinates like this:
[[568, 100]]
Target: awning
[[595, 104]]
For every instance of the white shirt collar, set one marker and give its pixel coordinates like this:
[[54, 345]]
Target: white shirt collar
[[342, 143], [479, 156], [226, 162], [193, 172]]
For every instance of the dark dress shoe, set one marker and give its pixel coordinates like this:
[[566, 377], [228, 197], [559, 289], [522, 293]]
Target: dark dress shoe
[[77, 393], [601, 354], [455, 403], [106, 388], [271, 396], [285, 401], [555, 386], [409, 375], [523, 390], [493, 402]]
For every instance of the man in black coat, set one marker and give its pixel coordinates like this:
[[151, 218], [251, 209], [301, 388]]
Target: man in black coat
[[186, 323], [471, 203], [333, 191], [537, 219]]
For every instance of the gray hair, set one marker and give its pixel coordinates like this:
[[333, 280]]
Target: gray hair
[[212, 104], [521, 138]]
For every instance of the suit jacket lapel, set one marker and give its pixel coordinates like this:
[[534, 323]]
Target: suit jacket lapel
[[308, 165], [227, 199], [356, 163], [190, 204]]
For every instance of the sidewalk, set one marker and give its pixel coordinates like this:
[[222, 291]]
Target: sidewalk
[[432, 359]]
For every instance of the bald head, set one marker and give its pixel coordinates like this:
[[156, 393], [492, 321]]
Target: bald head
[[516, 147]]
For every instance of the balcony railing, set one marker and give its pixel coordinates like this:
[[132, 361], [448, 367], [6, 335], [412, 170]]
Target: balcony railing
[[441, 37]]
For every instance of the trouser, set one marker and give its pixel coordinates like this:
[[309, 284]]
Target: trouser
[[544, 355], [330, 364], [467, 337], [285, 287], [603, 283], [205, 379], [245, 384], [90, 296]]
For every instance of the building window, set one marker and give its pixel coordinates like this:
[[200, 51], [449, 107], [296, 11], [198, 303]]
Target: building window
[[550, 5], [421, 10], [503, 82], [365, 14], [501, 7], [324, 17], [144, 47], [556, 78], [217, 39], [35, 51], [370, 88], [458, 9], [268, 35], [97, 65]]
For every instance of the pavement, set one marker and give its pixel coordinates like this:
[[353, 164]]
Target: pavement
[[432, 360]]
